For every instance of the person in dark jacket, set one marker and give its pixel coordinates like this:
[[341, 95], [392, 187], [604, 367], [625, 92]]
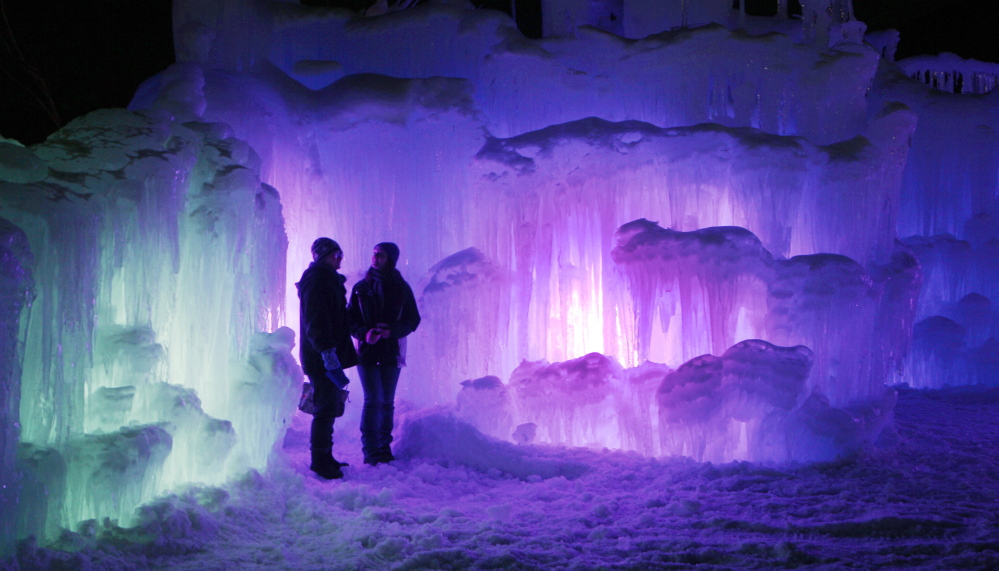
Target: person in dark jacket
[[382, 313], [326, 348]]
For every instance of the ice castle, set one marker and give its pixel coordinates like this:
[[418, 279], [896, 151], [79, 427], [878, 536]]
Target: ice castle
[[666, 226]]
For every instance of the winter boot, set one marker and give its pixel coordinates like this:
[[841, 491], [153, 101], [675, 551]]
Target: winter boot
[[324, 464], [385, 454]]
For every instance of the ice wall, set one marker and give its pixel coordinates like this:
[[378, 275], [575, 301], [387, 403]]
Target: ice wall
[[538, 154], [16, 292], [947, 214], [822, 19], [590, 401], [158, 256], [467, 302], [751, 403], [950, 73], [842, 183], [680, 77], [507, 137], [951, 175], [703, 291], [541, 207], [572, 402]]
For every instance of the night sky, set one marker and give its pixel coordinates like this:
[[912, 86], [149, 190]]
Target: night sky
[[61, 59]]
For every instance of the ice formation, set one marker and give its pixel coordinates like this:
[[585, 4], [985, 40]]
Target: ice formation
[[751, 403], [143, 261], [702, 291], [824, 224], [948, 72]]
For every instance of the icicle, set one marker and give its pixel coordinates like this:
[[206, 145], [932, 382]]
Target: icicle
[[16, 292]]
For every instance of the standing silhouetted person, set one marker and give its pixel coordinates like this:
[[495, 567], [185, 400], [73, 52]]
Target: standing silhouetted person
[[382, 313], [327, 348]]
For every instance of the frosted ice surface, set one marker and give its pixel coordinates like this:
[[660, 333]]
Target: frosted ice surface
[[465, 331], [126, 463], [768, 81], [694, 282], [16, 290], [953, 269], [818, 432], [956, 348], [951, 73], [264, 391], [979, 317], [885, 42], [750, 404], [41, 473], [939, 354], [485, 403], [950, 176], [570, 402], [639, 410], [158, 254], [711, 408], [553, 196], [702, 291], [857, 321], [18, 164], [590, 401]]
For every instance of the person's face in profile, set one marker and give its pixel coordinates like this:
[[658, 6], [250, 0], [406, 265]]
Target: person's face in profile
[[335, 259], [379, 259]]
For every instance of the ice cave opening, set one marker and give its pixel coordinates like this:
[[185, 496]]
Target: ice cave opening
[[681, 231]]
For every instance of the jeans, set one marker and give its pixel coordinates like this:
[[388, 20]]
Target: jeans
[[377, 415], [327, 397]]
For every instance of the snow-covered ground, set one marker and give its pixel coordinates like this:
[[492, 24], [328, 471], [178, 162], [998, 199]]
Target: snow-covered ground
[[455, 500]]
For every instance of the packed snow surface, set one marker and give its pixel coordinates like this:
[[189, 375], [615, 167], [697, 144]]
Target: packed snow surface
[[456, 499]]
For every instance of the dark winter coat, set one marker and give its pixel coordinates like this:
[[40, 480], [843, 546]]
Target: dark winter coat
[[324, 319], [382, 297]]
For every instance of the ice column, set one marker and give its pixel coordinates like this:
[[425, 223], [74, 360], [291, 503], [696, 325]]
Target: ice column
[[486, 404], [639, 415], [573, 402], [704, 287], [16, 287], [951, 175], [713, 408], [751, 403], [159, 255], [465, 306], [694, 292], [589, 401]]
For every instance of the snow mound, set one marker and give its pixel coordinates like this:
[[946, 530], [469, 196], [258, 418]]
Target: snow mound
[[439, 436]]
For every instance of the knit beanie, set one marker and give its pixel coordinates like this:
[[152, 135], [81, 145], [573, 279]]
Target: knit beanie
[[391, 250], [323, 247]]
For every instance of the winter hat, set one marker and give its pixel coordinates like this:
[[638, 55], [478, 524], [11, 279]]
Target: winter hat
[[391, 250], [323, 247]]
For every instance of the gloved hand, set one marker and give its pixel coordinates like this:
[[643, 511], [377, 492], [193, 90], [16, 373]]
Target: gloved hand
[[330, 360], [373, 336], [339, 378]]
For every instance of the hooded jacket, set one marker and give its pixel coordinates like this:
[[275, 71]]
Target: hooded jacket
[[324, 324]]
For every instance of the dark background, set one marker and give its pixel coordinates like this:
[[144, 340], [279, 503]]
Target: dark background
[[60, 59]]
